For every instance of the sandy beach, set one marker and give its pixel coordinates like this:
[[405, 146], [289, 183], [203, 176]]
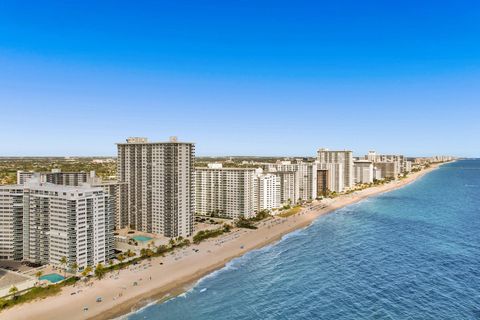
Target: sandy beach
[[137, 285]]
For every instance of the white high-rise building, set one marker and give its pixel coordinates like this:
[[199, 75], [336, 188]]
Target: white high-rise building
[[307, 180], [160, 178], [371, 156], [407, 166], [112, 190], [363, 171], [377, 173], [51, 221], [267, 191], [298, 181], [64, 221], [288, 186], [228, 192], [287, 175], [11, 222], [399, 160], [341, 157], [115, 193], [335, 176]]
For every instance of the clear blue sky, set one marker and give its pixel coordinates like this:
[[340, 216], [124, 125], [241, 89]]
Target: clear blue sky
[[241, 77]]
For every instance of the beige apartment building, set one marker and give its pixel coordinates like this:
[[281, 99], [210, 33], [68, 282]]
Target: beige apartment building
[[160, 185], [345, 157]]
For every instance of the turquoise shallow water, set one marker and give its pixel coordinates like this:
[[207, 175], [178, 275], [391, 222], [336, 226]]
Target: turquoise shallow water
[[413, 253]]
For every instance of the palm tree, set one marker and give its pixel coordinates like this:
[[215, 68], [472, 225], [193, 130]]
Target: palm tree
[[38, 274], [74, 267], [99, 271], [171, 242], [63, 262], [13, 290], [121, 258], [86, 271], [162, 249]]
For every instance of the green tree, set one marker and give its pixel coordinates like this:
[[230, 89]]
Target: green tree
[[244, 223], [86, 271], [63, 262], [74, 267], [13, 291], [121, 257], [38, 274], [162, 249], [146, 253], [99, 271]]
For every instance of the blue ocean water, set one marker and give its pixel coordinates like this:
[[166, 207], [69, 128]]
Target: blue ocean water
[[413, 253]]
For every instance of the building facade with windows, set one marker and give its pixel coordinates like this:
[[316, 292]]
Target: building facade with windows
[[11, 222], [56, 176], [363, 171], [267, 192], [54, 221], [345, 158], [228, 192], [160, 185]]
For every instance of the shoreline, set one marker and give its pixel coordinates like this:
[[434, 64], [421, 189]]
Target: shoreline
[[180, 271]]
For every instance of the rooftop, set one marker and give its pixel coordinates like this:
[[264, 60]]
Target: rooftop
[[142, 140]]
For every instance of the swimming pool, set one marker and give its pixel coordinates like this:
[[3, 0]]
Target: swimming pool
[[141, 238], [52, 277]]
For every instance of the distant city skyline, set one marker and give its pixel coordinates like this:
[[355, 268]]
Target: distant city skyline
[[250, 79]]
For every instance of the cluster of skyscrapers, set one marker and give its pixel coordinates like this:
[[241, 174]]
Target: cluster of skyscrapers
[[235, 192], [47, 216]]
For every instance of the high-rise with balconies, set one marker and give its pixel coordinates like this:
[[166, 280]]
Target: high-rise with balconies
[[44, 222], [11, 222], [227, 192], [345, 157], [160, 185]]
